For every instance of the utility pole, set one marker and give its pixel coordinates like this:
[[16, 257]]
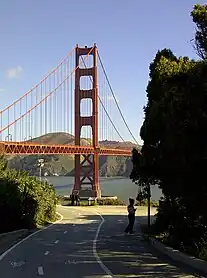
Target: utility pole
[[148, 203]]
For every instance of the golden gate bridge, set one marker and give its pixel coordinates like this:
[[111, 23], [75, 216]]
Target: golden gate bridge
[[75, 97]]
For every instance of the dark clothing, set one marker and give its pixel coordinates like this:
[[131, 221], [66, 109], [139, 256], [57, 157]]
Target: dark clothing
[[131, 217], [77, 200], [72, 199], [129, 228], [131, 209]]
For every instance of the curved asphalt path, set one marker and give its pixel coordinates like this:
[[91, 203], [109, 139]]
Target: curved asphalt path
[[86, 245]]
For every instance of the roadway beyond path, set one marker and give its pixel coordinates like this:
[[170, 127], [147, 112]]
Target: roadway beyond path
[[87, 245]]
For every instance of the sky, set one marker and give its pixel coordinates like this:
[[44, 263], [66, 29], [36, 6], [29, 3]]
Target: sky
[[36, 35]]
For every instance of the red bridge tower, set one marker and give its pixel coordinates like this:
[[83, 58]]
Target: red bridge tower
[[86, 169]]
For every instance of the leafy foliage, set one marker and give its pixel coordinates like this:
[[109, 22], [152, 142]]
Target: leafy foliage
[[174, 153], [110, 202], [199, 15], [101, 202], [25, 202]]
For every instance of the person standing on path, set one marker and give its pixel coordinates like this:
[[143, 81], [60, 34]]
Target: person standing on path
[[131, 217], [72, 199], [77, 199]]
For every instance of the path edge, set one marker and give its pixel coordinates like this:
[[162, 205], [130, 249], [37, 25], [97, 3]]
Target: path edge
[[29, 236], [178, 256]]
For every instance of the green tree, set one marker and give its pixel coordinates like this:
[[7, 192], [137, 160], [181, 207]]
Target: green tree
[[199, 15], [175, 148]]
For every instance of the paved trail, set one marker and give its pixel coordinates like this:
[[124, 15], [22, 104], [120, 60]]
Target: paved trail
[[86, 245]]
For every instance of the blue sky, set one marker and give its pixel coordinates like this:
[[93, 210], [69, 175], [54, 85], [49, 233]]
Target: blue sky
[[36, 35]]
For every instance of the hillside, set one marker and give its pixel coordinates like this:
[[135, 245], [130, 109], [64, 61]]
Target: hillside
[[64, 164]]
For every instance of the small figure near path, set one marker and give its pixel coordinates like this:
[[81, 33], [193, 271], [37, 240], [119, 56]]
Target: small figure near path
[[77, 199], [72, 197], [131, 217]]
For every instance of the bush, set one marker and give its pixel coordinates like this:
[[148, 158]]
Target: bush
[[110, 202], [100, 202], [25, 202]]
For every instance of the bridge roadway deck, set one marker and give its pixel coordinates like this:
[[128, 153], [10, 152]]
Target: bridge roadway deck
[[87, 245], [26, 148]]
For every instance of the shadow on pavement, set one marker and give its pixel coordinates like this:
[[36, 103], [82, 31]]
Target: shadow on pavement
[[72, 247], [124, 255]]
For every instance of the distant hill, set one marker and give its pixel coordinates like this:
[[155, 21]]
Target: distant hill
[[64, 164]]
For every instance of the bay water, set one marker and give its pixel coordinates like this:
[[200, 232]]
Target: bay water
[[121, 187]]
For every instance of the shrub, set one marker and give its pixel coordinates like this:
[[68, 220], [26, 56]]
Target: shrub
[[25, 202], [110, 202]]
